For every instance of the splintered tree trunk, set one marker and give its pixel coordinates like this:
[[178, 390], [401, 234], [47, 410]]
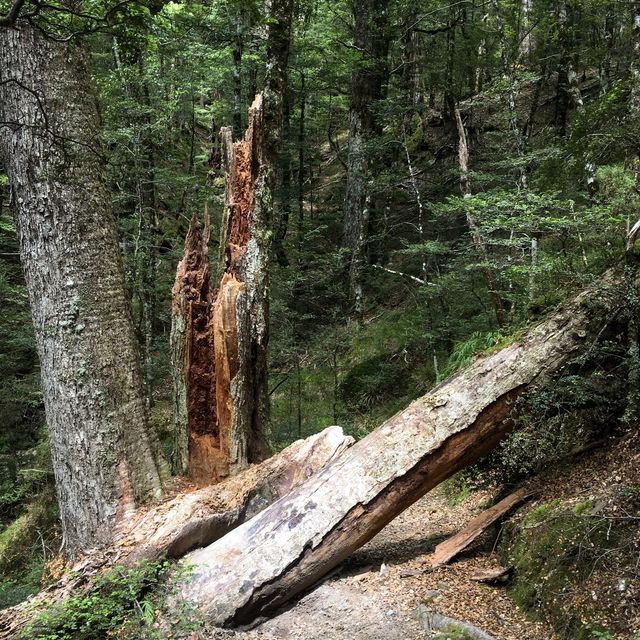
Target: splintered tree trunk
[[297, 540], [240, 320], [197, 443], [219, 340], [105, 456]]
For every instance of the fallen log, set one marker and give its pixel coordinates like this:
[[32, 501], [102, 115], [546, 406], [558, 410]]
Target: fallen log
[[190, 519], [289, 546], [452, 546]]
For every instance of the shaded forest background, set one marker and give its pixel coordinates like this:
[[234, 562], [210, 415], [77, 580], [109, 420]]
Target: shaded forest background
[[456, 256]]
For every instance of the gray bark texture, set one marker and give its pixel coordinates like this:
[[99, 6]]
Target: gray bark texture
[[189, 520], [105, 457], [289, 546]]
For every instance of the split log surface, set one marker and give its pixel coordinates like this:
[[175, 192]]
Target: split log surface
[[451, 547], [289, 546], [191, 520]]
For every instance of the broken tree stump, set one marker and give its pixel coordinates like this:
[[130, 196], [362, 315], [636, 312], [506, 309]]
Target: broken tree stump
[[289, 546], [190, 520], [219, 338], [451, 547]]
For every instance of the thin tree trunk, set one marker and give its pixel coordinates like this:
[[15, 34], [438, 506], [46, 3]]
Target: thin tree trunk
[[105, 456], [476, 237], [366, 88], [289, 546]]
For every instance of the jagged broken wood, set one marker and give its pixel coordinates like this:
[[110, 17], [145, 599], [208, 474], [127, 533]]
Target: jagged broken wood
[[219, 338], [451, 547], [191, 519], [289, 546]]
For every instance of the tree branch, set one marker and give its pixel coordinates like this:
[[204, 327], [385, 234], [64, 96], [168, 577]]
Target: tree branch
[[10, 18]]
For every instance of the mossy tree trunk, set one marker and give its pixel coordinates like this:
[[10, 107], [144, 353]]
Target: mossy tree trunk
[[105, 456]]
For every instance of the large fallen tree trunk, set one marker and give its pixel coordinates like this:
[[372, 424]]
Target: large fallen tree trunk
[[290, 545], [191, 520]]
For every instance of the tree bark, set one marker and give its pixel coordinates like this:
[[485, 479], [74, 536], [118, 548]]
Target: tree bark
[[191, 520], [293, 543], [370, 38], [106, 458]]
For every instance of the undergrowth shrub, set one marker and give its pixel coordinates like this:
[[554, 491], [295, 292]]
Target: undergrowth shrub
[[123, 603]]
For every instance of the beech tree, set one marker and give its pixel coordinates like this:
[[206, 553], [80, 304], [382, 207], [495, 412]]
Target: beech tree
[[106, 458]]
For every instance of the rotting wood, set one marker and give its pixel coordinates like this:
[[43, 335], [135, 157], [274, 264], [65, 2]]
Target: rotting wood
[[451, 547], [190, 520], [219, 338], [289, 546], [197, 441]]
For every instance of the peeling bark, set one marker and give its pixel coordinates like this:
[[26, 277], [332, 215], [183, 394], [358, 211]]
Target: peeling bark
[[293, 543], [191, 520]]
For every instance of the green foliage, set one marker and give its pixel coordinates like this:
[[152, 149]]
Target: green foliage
[[123, 603], [552, 422], [554, 551], [453, 632]]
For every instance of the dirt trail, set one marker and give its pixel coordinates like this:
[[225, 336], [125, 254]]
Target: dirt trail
[[377, 592]]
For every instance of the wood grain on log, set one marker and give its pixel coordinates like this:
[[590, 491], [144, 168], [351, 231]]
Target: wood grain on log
[[289, 546], [451, 547]]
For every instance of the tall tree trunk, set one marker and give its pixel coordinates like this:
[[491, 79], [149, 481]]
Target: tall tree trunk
[[297, 540], [476, 236], [371, 40], [105, 456]]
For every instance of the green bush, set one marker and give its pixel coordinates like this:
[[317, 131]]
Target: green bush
[[124, 602]]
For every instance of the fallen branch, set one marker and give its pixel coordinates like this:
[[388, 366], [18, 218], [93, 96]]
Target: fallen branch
[[451, 547]]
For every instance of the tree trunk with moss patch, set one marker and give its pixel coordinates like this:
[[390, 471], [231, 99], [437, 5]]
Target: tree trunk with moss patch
[[105, 456]]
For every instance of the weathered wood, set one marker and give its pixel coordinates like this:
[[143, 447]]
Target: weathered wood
[[451, 547], [493, 575], [289, 546], [191, 520]]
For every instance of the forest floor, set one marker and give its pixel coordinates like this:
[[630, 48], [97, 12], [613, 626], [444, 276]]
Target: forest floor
[[384, 589], [377, 593]]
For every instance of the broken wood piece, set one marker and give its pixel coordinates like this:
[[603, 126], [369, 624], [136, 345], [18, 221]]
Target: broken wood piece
[[289, 546], [492, 575], [451, 547]]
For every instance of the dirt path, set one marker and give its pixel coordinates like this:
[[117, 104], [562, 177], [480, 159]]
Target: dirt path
[[377, 592]]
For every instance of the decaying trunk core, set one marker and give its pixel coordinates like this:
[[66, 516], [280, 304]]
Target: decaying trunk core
[[219, 338]]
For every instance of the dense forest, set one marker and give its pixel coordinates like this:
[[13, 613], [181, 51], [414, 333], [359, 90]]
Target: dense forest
[[227, 227]]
